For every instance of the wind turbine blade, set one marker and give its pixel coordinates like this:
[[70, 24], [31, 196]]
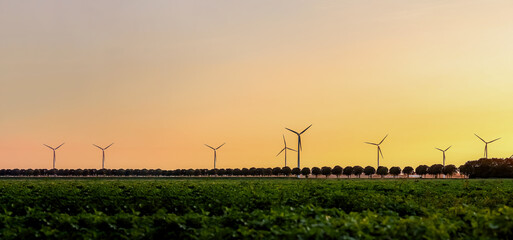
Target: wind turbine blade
[[383, 139], [98, 146], [448, 148], [284, 142], [280, 152], [299, 143], [480, 138], [108, 146], [306, 129], [59, 146], [494, 140], [49, 147], [439, 149], [220, 146], [210, 147], [292, 131], [371, 143], [380, 152], [292, 149]]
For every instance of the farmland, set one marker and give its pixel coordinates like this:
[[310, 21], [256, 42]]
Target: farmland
[[270, 208]]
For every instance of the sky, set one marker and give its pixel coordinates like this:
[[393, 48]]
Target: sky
[[162, 78]]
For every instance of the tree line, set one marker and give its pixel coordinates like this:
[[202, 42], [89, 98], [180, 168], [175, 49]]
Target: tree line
[[338, 171], [482, 168]]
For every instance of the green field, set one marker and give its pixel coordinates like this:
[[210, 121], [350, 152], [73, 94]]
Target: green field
[[255, 208]]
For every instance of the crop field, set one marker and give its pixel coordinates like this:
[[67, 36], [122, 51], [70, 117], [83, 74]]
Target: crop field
[[255, 208]]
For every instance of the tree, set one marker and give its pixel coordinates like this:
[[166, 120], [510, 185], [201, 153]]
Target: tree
[[337, 171], [252, 171], [382, 171], [421, 170], [276, 171], [212, 172], [408, 171], [357, 171], [286, 171], [348, 171], [465, 169], [268, 171], [316, 171], [237, 172], [245, 172], [449, 170], [326, 171], [435, 170], [395, 171], [305, 171], [369, 170], [296, 171]]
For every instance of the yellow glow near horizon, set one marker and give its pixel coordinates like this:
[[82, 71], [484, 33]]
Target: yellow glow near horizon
[[161, 79]]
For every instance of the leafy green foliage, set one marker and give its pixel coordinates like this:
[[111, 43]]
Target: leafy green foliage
[[255, 209]]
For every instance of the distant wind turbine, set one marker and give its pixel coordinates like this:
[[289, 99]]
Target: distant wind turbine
[[443, 151], [299, 148], [215, 153], [285, 150], [103, 153], [486, 145], [379, 148], [54, 152]]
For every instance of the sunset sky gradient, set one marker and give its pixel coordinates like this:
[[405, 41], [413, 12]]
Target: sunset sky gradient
[[162, 78]]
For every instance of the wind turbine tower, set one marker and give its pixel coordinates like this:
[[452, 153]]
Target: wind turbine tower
[[285, 150], [215, 153], [486, 145], [103, 153], [379, 148], [53, 149], [299, 148], [443, 151]]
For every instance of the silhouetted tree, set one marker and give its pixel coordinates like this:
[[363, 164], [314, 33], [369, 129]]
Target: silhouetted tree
[[348, 171], [296, 171], [407, 171], [382, 171], [449, 170], [237, 172], [228, 172], [268, 171], [212, 172], [369, 170], [395, 171], [435, 170], [245, 172], [326, 171], [305, 171], [286, 171], [276, 171], [316, 171], [252, 171], [337, 171], [357, 170], [421, 170], [466, 169]]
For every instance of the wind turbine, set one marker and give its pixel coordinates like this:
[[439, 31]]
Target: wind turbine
[[215, 152], [103, 153], [379, 148], [299, 148], [54, 152], [486, 145], [285, 149], [443, 151]]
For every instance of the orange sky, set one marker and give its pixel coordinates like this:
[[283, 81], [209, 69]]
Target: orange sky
[[162, 78]]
